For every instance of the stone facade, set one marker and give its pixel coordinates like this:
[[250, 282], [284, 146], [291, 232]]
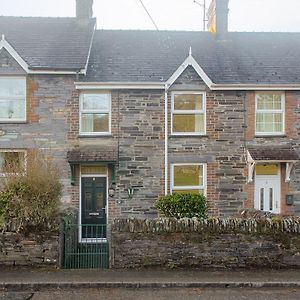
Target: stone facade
[[230, 243], [33, 250], [137, 136]]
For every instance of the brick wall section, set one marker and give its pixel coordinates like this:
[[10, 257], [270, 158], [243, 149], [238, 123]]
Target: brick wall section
[[227, 243]]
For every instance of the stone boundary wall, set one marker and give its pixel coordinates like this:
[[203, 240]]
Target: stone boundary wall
[[212, 243], [33, 250]]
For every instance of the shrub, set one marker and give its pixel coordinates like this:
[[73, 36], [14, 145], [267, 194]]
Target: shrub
[[29, 201], [183, 205]]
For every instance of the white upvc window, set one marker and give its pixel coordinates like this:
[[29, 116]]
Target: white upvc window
[[269, 115], [188, 178], [188, 113], [95, 113], [12, 99], [12, 161]]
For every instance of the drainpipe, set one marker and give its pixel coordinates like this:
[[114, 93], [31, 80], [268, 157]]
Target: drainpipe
[[166, 139]]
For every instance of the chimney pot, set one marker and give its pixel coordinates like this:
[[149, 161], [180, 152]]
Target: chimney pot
[[84, 9]]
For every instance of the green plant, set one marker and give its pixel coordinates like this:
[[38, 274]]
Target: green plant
[[29, 201], [182, 205]]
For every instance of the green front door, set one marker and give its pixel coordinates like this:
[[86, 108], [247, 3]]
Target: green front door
[[93, 207]]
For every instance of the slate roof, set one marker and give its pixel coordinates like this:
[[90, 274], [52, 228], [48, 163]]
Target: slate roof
[[49, 43], [92, 154], [244, 58], [273, 153]]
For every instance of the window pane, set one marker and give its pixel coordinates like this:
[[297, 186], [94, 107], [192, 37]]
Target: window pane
[[12, 162], [269, 122], [96, 101], [188, 123], [12, 109], [188, 102], [278, 122], [262, 191], [12, 87], [95, 123], [269, 101], [188, 175]]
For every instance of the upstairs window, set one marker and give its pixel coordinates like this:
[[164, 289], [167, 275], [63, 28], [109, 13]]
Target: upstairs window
[[12, 99], [188, 178], [270, 113], [95, 113], [12, 161], [188, 113]]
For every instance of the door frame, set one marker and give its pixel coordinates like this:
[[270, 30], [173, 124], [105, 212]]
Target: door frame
[[278, 178], [91, 240]]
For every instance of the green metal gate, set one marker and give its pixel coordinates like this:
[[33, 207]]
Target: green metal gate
[[85, 246]]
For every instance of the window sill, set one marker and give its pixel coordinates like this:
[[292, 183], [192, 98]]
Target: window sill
[[94, 135], [13, 122], [270, 135], [188, 136]]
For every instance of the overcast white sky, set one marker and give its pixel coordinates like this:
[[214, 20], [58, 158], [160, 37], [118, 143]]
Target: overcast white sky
[[244, 15]]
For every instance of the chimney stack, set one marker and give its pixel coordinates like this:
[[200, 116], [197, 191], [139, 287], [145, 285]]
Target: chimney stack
[[218, 18], [84, 9]]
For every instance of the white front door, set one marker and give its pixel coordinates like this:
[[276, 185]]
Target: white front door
[[267, 193]]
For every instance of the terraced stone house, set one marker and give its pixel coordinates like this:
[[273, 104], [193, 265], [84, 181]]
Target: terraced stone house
[[130, 115]]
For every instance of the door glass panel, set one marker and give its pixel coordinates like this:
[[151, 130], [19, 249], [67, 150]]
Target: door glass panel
[[271, 198], [99, 200], [88, 200], [268, 169], [262, 198]]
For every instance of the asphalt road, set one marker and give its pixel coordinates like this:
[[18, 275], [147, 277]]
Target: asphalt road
[[157, 294]]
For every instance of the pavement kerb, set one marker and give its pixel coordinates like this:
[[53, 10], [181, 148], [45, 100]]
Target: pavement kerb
[[36, 286]]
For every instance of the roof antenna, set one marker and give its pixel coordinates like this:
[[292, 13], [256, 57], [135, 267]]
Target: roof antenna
[[203, 5]]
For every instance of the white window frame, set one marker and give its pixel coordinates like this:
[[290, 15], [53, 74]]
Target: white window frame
[[20, 120], [270, 111], [194, 187], [188, 112], [18, 151], [94, 111]]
